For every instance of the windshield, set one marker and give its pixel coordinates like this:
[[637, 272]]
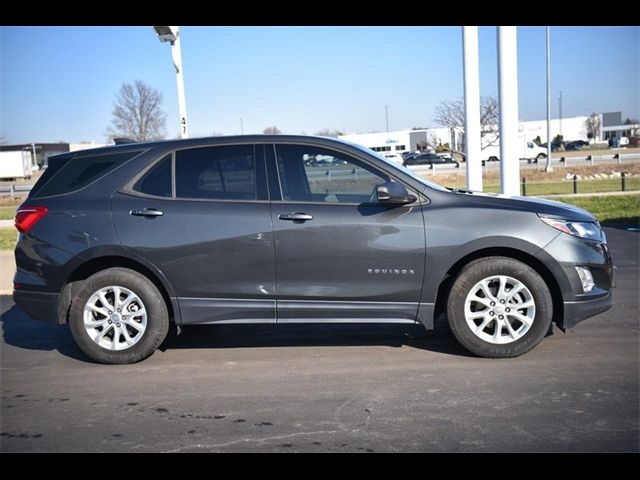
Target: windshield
[[402, 168]]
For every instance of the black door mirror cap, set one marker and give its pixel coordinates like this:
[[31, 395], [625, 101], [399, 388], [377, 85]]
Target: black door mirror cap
[[394, 193]]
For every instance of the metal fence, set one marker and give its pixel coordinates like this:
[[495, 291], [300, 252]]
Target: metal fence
[[15, 190]]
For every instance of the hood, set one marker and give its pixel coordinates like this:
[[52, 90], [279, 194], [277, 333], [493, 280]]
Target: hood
[[541, 206]]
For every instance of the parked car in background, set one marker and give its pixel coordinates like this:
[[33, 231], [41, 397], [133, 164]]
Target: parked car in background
[[122, 242], [429, 159], [576, 145]]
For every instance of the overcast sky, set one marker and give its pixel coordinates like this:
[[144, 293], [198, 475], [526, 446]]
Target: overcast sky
[[59, 83]]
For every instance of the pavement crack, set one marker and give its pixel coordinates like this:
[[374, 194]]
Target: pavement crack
[[249, 440]]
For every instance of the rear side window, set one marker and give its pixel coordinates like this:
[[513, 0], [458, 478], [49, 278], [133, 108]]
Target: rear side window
[[54, 166], [81, 171], [157, 181], [223, 173]]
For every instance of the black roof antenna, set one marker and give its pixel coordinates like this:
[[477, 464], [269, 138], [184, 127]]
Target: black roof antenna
[[123, 140]]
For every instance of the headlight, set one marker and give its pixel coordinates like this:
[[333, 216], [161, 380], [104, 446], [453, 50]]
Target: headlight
[[588, 230]]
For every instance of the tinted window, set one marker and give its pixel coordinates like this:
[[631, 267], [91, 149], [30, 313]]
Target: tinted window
[[225, 173], [322, 175], [157, 181], [81, 171], [54, 166]]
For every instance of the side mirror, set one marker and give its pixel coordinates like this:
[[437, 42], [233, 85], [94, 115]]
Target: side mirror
[[394, 193]]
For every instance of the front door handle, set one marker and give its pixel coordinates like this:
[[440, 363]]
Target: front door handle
[[295, 217], [147, 212]]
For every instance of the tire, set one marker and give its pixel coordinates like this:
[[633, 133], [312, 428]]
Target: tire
[[493, 159], [541, 156], [505, 342], [156, 318]]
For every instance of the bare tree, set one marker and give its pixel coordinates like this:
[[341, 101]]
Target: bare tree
[[592, 124], [272, 131], [137, 113], [325, 132], [450, 113]]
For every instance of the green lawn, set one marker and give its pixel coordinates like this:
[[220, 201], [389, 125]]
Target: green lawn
[[566, 187], [611, 209], [7, 213], [8, 237]]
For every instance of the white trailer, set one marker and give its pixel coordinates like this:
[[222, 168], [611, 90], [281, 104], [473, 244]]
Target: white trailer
[[527, 150], [15, 164]]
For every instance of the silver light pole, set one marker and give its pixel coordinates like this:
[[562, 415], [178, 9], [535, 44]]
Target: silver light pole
[[472, 133], [548, 167], [386, 116], [508, 95], [171, 34]]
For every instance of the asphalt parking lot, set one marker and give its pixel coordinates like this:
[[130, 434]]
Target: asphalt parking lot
[[329, 388]]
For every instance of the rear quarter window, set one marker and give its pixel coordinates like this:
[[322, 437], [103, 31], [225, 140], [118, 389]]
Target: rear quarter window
[[80, 172]]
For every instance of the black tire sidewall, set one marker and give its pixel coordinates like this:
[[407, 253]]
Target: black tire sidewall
[[157, 316], [486, 267]]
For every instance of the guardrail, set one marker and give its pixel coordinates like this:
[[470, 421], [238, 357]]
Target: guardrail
[[15, 190], [618, 157]]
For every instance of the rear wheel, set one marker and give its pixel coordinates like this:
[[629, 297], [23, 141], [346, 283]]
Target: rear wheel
[[118, 316], [499, 307]]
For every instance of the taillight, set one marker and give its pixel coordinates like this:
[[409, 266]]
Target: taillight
[[27, 217]]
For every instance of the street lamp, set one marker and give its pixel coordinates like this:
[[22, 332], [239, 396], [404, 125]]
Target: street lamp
[[172, 35]]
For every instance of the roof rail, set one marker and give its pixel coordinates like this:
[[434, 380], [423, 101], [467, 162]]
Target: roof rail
[[123, 140]]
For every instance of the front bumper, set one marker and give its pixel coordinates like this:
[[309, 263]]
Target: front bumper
[[39, 305], [576, 312]]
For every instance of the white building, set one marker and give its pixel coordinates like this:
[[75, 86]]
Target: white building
[[393, 144]]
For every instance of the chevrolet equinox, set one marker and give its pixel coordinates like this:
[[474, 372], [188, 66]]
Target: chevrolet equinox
[[123, 241]]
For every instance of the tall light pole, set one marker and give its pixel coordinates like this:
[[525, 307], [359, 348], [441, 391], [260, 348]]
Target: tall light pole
[[172, 35], [560, 108], [386, 116], [508, 94], [548, 167], [472, 134]]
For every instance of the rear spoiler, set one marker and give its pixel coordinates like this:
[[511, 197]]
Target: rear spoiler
[[123, 140]]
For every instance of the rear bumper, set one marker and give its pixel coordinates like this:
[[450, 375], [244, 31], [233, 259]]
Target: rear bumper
[[41, 306], [576, 312]]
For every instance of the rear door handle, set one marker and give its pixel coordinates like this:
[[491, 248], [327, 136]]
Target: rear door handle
[[147, 212], [295, 217]]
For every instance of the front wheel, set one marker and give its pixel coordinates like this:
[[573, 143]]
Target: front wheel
[[118, 316], [499, 307], [540, 157]]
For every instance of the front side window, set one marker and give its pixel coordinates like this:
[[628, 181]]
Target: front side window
[[313, 174], [222, 173]]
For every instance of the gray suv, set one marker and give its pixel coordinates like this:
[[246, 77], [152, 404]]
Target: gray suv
[[121, 242]]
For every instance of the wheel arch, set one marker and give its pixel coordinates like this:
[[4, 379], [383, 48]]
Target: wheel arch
[[526, 258], [96, 264]]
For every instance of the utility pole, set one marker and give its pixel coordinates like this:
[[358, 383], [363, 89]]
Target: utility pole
[[386, 116], [508, 95], [560, 108], [548, 167], [472, 134]]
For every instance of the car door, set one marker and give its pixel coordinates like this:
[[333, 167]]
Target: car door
[[207, 229], [341, 256]]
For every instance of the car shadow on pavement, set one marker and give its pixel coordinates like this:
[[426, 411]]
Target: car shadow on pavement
[[21, 331], [440, 340]]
